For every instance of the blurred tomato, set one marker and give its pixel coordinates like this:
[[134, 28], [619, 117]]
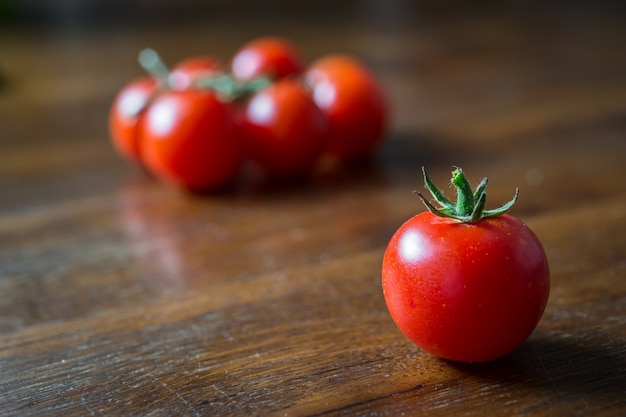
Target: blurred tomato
[[185, 73], [352, 100], [268, 56], [191, 139], [125, 114], [283, 129]]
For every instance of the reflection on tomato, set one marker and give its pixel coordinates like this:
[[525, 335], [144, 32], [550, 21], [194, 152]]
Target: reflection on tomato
[[283, 129], [190, 139], [268, 56], [125, 115], [352, 100], [185, 73]]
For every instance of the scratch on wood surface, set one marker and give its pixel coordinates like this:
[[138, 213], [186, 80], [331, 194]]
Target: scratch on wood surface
[[175, 392], [552, 382], [83, 401], [221, 391], [91, 412]]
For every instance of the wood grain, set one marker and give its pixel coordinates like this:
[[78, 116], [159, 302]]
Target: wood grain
[[120, 296]]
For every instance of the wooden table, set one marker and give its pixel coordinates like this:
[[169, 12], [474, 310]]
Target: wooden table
[[121, 296]]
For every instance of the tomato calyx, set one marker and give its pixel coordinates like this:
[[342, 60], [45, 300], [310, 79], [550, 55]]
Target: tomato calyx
[[469, 206], [231, 89], [222, 83]]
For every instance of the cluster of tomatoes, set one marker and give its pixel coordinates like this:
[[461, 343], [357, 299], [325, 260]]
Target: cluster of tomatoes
[[195, 125]]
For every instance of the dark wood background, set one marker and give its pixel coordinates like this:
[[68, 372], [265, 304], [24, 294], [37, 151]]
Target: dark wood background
[[120, 296]]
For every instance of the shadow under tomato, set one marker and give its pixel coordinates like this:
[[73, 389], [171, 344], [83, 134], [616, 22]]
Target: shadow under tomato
[[568, 368], [397, 160]]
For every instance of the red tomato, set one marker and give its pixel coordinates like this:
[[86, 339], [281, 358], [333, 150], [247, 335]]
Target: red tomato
[[185, 73], [190, 139], [465, 291], [125, 114], [354, 103], [267, 56], [283, 129]]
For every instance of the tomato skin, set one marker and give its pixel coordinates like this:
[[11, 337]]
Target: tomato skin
[[187, 71], [267, 56], [126, 113], [469, 292], [354, 103], [283, 129], [191, 139]]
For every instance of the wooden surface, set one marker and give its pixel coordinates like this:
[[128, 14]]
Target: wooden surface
[[119, 296]]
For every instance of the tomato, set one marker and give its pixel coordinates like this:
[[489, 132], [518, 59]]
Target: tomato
[[190, 138], [283, 129], [125, 113], [186, 72], [354, 103], [465, 289], [268, 56]]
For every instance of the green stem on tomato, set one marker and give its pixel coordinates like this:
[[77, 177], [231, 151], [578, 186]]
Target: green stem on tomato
[[150, 61], [465, 196], [230, 88], [222, 83], [469, 207]]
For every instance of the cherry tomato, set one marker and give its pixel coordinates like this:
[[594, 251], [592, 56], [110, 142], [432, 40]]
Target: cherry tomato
[[352, 100], [190, 138], [465, 290], [126, 112], [283, 129], [268, 56], [185, 73]]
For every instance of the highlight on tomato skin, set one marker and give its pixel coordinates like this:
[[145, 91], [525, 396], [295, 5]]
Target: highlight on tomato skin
[[283, 130], [354, 102], [188, 71], [125, 114], [191, 140], [269, 56], [465, 289]]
